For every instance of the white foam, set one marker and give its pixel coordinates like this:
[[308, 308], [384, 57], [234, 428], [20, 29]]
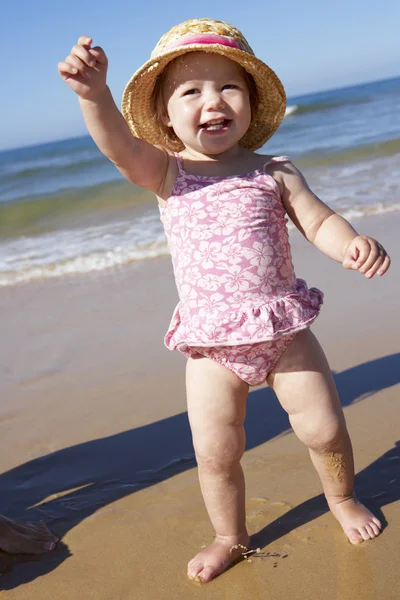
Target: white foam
[[290, 110], [80, 251], [358, 212], [81, 265], [353, 191]]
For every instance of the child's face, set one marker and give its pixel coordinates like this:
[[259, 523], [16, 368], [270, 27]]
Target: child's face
[[207, 101]]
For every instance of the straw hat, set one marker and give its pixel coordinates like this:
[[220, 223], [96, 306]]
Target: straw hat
[[205, 35]]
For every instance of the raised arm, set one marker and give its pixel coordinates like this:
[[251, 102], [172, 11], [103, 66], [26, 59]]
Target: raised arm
[[328, 231], [85, 71]]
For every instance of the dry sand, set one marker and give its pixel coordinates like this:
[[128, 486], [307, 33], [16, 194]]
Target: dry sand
[[94, 439]]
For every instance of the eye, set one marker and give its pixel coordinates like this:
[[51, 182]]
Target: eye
[[230, 86], [190, 92]]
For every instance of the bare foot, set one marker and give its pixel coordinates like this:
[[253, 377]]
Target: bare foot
[[359, 524], [25, 538], [215, 559]]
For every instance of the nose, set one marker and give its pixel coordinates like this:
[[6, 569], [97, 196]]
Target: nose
[[214, 100]]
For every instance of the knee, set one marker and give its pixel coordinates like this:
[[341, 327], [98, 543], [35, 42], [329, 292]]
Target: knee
[[320, 437], [220, 455], [218, 462]]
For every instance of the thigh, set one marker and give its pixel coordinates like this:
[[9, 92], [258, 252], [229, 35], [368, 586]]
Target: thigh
[[303, 382], [216, 400]]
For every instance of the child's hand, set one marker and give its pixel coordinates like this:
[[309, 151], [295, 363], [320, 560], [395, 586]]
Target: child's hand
[[366, 255], [85, 69]]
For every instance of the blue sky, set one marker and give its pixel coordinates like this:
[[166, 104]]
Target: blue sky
[[312, 45]]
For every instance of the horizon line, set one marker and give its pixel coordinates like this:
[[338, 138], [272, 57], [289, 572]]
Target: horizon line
[[297, 96]]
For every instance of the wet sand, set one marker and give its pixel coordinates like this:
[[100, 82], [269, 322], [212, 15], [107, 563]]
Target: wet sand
[[94, 440]]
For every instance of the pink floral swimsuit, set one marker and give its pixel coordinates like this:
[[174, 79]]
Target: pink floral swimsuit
[[240, 302]]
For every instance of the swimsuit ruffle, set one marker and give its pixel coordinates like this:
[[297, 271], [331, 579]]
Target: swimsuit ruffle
[[277, 318]]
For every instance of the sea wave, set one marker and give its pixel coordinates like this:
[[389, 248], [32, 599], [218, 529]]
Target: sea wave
[[34, 172], [45, 160], [355, 154], [45, 167], [95, 249], [81, 265], [79, 251], [291, 109], [301, 109], [34, 214], [320, 106], [45, 213]]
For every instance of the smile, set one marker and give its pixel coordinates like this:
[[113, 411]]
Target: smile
[[216, 125]]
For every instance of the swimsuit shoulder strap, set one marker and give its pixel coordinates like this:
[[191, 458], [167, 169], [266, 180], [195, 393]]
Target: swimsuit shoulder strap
[[277, 159], [179, 163]]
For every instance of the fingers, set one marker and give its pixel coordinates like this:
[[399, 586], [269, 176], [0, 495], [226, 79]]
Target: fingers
[[367, 255], [364, 249], [66, 70], [371, 256], [374, 268], [385, 266], [352, 258], [85, 40], [377, 261], [76, 63], [82, 59], [83, 54], [97, 53], [380, 267]]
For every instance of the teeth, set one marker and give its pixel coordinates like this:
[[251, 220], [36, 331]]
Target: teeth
[[214, 124]]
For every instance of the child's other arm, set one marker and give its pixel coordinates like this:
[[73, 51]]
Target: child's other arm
[[328, 231], [84, 70]]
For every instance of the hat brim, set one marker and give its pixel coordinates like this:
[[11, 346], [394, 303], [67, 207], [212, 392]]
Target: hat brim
[[136, 98]]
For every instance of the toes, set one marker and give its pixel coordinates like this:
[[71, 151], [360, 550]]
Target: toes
[[207, 574], [355, 537], [195, 578], [370, 531], [375, 528], [194, 568], [377, 522], [364, 533]]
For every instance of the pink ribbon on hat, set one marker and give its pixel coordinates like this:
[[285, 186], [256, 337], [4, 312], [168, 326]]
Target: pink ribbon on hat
[[204, 38]]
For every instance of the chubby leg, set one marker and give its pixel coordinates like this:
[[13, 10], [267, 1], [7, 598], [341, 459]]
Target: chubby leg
[[217, 407], [25, 538], [304, 385]]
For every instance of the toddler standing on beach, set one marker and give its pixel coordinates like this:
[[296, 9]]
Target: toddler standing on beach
[[193, 116]]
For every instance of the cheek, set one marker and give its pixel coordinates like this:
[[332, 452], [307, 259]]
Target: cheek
[[246, 103], [179, 114], [245, 110]]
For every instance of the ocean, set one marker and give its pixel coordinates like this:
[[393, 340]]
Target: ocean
[[65, 209]]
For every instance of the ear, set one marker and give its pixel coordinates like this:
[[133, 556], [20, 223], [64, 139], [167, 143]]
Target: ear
[[165, 117]]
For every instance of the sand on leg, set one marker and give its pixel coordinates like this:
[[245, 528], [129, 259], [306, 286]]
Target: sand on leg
[[217, 407], [303, 382]]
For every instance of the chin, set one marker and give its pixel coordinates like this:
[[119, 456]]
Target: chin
[[217, 146]]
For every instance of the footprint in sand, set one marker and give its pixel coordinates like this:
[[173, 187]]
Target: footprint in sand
[[261, 512]]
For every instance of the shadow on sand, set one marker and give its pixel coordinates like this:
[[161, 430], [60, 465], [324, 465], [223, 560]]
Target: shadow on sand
[[101, 471]]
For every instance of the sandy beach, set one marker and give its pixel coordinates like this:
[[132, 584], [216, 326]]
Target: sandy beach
[[94, 440]]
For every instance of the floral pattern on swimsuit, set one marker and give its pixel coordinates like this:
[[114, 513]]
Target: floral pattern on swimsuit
[[231, 256]]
